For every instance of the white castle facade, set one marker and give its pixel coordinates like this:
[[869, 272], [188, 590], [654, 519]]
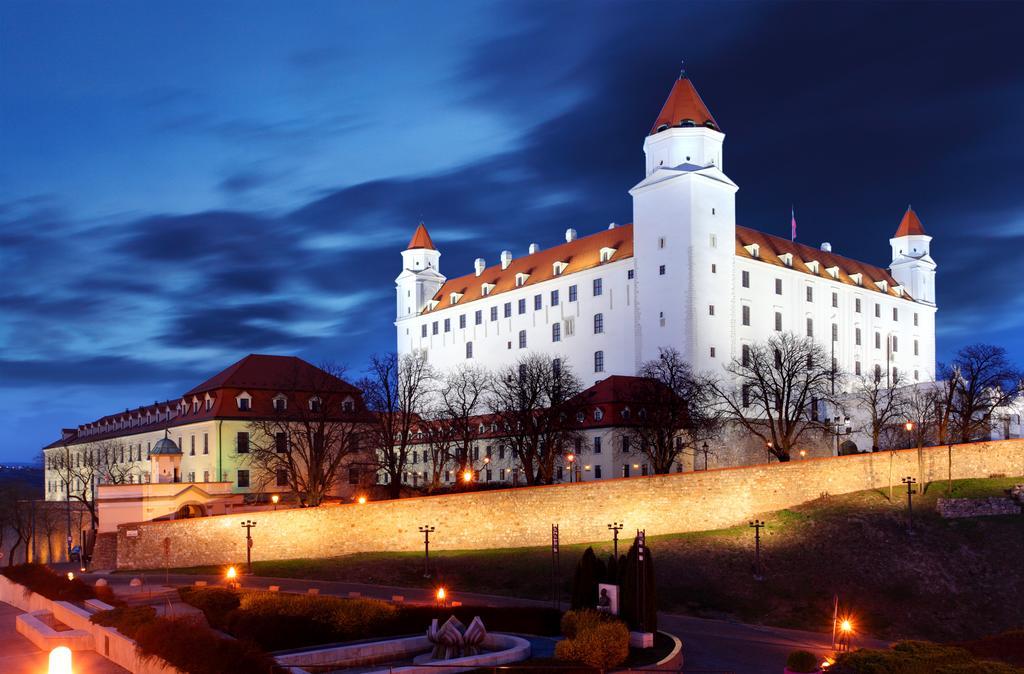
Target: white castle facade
[[682, 275]]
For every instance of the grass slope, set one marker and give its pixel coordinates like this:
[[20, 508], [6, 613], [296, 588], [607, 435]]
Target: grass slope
[[952, 580]]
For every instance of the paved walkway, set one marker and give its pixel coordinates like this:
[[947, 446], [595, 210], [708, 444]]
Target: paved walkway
[[708, 645], [19, 656]]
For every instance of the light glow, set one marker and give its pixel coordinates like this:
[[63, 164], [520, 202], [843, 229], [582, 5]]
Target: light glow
[[71, 575], [232, 574], [441, 594], [275, 498], [60, 660], [467, 476], [362, 500], [846, 625]]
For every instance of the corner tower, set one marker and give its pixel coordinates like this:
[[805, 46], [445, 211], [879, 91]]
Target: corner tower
[[912, 263], [421, 275], [684, 236]]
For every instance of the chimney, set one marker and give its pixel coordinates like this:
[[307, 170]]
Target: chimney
[[534, 248], [506, 259], [570, 235], [612, 225], [827, 247], [479, 265]]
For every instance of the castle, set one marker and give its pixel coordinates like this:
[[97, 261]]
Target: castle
[[682, 275]]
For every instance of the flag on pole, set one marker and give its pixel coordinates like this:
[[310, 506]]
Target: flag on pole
[[792, 233]]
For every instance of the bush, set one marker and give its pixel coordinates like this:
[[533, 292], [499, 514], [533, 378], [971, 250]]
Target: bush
[[917, 657], [802, 661], [40, 579], [126, 620], [215, 602], [602, 646], [574, 622], [1008, 646], [348, 618], [193, 647]]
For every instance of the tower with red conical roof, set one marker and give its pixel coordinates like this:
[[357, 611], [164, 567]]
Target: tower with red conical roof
[[421, 276], [912, 263]]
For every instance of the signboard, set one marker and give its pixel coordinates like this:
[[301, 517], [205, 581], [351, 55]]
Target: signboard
[[608, 598], [132, 533]]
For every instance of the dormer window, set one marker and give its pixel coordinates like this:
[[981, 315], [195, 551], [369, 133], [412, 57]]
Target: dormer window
[[598, 414], [521, 279], [280, 402], [432, 304], [883, 285], [486, 288], [814, 266], [832, 271], [753, 249], [209, 402], [607, 253], [898, 290], [454, 298], [244, 401], [349, 405], [314, 404], [195, 405], [787, 259], [857, 278], [558, 267]]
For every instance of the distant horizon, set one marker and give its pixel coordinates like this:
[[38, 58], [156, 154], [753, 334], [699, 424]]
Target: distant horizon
[[187, 184]]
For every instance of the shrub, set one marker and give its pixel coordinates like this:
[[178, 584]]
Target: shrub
[[802, 661], [215, 602], [917, 657], [194, 648], [602, 646], [1008, 646], [575, 622], [126, 620], [40, 579]]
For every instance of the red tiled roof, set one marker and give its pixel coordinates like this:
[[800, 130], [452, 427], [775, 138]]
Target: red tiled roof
[[583, 253], [258, 371], [771, 247], [420, 239], [910, 225], [684, 103]]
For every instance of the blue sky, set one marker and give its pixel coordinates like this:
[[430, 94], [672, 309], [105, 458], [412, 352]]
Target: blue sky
[[184, 183]]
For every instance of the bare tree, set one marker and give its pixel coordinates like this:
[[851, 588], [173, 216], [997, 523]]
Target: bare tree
[[78, 470], [396, 391], [885, 406], [441, 438], [535, 402], [19, 504], [463, 394], [310, 435], [774, 390], [982, 380], [674, 411]]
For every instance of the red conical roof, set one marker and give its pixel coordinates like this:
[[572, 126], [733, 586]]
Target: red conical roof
[[421, 239], [909, 225], [684, 103]]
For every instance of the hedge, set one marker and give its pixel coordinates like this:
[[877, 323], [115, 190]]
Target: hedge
[[40, 579], [917, 657], [189, 645], [593, 638], [126, 620]]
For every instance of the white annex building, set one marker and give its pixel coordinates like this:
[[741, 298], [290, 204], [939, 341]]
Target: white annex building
[[682, 275]]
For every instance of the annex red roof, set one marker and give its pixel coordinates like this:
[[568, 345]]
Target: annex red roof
[[421, 239], [583, 253], [771, 248], [684, 105], [910, 225], [258, 371]]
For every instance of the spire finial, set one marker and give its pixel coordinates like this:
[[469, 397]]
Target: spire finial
[[682, 69]]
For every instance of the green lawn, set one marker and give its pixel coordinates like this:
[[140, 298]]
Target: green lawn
[[953, 579]]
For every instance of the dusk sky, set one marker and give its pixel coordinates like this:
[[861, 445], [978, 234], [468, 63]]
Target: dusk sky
[[185, 183]]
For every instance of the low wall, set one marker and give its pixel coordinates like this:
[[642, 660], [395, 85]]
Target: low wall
[[661, 504]]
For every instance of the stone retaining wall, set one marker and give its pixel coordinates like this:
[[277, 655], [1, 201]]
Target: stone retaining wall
[[952, 508], [661, 504]]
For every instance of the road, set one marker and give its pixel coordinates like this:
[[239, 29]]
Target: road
[[708, 645]]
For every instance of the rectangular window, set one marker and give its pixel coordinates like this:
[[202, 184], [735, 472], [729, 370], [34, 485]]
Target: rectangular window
[[856, 305], [745, 279], [462, 321], [856, 368], [599, 361], [522, 339], [835, 332], [810, 294], [661, 270], [895, 314], [597, 471], [745, 394], [711, 310], [835, 300], [507, 311], [915, 319], [538, 302], [494, 313], [894, 343], [556, 332], [469, 349], [281, 442], [282, 477], [629, 275], [447, 325], [746, 314], [810, 327], [243, 404], [915, 347], [243, 478], [878, 310], [745, 359], [597, 444], [598, 288], [433, 328], [572, 293], [713, 241], [712, 352], [478, 317], [778, 321], [424, 330], [192, 446], [522, 306], [856, 336], [778, 286], [554, 298], [598, 324], [714, 268], [878, 340], [242, 443]]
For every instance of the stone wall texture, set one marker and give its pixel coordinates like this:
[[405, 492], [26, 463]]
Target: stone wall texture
[[661, 504]]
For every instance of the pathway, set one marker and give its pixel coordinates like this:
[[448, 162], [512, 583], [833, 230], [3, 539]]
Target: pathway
[[18, 655]]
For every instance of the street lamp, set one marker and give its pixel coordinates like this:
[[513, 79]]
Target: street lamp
[[571, 458], [467, 476], [231, 577], [757, 525], [910, 482], [426, 530], [248, 525], [615, 528], [845, 632], [704, 448], [274, 499], [362, 500], [768, 449], [803, 453], [909, 426]]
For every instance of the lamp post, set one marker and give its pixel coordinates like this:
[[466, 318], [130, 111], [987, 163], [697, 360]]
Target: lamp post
[[757, 525], [768, 450], [909, 481], [615, 528], [841, 427], [248, 525], [426, 530], [571, 458], [274, 499], [704, 448]]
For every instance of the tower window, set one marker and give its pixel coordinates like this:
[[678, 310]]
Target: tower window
[[494, 313], [469, 349], [915, 319], [661, 242], [598, 324], [599, 361], [778, 321], [556, 332], [572, 293], [522, 339], [462, 321], [895, 314], [745, 279], [856, 305], [478, 317], [598, 287], [661, 270], [810, 294], [810, 327], [778, 286], [711, 310], [745, 310], [424, 330], [507, 310], [522, 306], [712, 352], [835, 300]]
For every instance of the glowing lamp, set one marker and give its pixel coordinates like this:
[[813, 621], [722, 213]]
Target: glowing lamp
[[71, 575], [440, 594], [846, 626], [467, 476], [60, 660], [362, 500], [909, 426], [275, 498], [232, 574], [803, 453], [570, 458]]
